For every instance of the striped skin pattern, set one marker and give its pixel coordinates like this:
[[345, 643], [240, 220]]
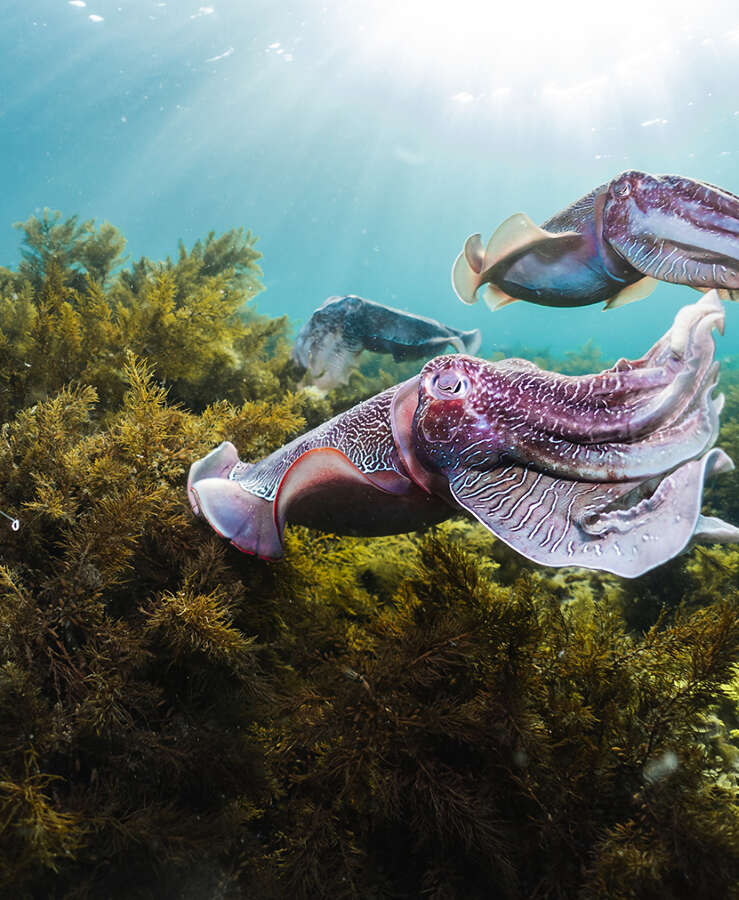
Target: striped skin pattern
[[632, 421], [364, 437], [675, 229], [612, 246], [604, 471]]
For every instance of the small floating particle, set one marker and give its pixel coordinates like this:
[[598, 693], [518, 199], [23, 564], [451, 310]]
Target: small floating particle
[[94, 18], [220, 55], [653, 122], [77, 3]]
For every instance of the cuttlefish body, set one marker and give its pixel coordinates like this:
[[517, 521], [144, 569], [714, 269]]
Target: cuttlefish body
[[612, 246], [330, 342], [604, 471]]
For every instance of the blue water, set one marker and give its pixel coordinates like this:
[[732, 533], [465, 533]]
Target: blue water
[[363, 142]]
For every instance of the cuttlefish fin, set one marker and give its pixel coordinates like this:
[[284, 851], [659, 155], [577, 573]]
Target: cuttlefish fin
[[217, 464], [633, 292], [233, 513], [467, 268], [516, 234], [495, 298], [618, 527]]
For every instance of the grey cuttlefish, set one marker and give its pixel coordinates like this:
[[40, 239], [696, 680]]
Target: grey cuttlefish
[[330, 343]]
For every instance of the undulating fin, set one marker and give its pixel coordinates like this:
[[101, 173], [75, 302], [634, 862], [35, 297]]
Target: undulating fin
[[217, 464], [245, 519], [456, 342], [633, 292], [474, 252], [518, 232], [472, 340], [513, 234], [607, 526], [495, 298], [712, 530], [466, 270]]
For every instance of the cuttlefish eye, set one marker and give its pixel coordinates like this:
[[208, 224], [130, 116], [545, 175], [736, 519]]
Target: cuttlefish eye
[[622, 189], [448, 385]]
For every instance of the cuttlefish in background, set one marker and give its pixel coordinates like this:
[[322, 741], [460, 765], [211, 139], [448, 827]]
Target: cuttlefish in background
[[330, 342], [604, 471], [612, 245]]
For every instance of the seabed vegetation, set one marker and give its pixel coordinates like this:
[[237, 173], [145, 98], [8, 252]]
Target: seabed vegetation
[[421, 716]]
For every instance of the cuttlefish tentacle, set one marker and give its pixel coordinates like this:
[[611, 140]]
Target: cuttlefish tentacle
[[571, 427], [612, 245]]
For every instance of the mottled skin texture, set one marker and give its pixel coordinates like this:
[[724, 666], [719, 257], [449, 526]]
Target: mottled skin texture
[[604, 471], [329, 344], [610, 246]]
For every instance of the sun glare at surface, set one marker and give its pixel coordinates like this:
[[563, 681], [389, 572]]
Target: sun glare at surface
[[537, 41]]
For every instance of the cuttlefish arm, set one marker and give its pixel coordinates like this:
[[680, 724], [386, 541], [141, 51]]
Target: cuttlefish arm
[[632, 421], [346, 476], [329, 345], [675, 229], [612, 245], [604, 471]]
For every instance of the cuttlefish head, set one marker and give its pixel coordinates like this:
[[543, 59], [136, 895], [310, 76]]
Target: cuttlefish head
[[457, 421], [323, 347], [674, 228]]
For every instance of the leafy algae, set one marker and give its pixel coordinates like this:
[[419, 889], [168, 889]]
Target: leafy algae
[[402, 717]]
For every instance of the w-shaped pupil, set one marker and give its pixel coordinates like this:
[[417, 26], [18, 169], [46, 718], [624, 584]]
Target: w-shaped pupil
[[450, 383]]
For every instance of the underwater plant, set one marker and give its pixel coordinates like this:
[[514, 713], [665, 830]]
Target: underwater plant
[[474, 740], [71, 312], [406, 716]]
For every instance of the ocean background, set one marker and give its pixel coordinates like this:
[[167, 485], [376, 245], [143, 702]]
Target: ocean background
[[363, 141]]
